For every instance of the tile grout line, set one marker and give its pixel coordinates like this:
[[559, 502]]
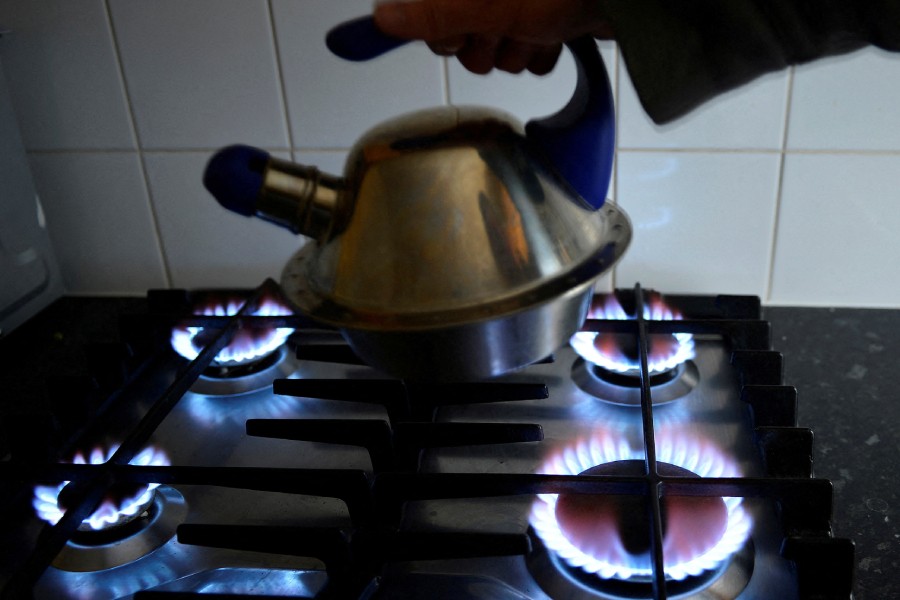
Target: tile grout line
[[445, 76], [281, 85], [779, 186], [154, 217]]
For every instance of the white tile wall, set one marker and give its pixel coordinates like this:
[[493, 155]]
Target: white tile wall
[[200, 74], [205, 245], [787, 188], [750, 118], [332, 101], [837, 236], [847, 103], [709, 238], [60, 60], [100, 221]]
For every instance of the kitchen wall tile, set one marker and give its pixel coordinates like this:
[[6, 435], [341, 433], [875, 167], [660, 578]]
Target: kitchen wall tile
[[605, 284], [837, 238], [847, 102], [702, 221], [61, 65], [525, 96], [99, 220], [201, 73], [328, 161], [205, 245], [751, 117], [331, 101], [204, 73]]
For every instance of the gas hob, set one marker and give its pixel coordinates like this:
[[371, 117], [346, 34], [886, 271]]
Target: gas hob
[[656, 456]]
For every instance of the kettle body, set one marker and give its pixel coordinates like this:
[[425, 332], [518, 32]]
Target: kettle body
[[442, 212], [453, 247], [459, 258]]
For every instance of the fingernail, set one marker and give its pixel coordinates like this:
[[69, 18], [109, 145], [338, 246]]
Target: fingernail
[[447, 46], [444, 50]]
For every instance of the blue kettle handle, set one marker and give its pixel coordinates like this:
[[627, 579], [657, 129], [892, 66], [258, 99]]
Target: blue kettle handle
[[579, 141]]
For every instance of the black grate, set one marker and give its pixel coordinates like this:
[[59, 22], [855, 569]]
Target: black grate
[[355, 556]]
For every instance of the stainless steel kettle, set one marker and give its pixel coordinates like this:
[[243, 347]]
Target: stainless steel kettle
[[457, 245]]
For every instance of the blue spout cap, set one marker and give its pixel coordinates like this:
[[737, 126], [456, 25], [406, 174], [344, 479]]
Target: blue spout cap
[[234, 176]]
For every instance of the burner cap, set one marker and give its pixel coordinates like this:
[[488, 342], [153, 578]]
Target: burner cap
[[248, 378], [616, 528], [625, 388]]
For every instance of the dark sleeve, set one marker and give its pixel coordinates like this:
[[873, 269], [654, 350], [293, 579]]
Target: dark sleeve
[[680, 53]]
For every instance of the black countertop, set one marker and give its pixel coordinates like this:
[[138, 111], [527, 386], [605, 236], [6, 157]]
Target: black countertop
[[843, 362]]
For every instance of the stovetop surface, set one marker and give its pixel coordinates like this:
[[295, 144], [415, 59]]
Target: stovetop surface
[[865, 498], [843, 362], [209, 431]]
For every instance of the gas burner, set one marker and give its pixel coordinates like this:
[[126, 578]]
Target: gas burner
[[132, 520], [220, 404], [625, 388], [610, 364], [120, 506], [592, 542], [614, 529], [246, 346], [619, 352], [105, 549], [561, 580], [246, 378]]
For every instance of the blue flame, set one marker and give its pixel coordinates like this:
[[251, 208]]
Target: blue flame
[[593, 347], [698, 456], [247, 344], [46, 498]]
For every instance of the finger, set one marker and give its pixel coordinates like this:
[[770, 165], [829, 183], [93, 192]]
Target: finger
[[448, 46], [514, 57], [479, 54], [543, 61]]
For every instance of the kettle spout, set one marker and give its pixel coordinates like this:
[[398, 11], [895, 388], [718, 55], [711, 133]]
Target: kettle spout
[[580, 140], [251, 182]]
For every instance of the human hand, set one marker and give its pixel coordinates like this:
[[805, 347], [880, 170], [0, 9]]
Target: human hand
[[510, 35]]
